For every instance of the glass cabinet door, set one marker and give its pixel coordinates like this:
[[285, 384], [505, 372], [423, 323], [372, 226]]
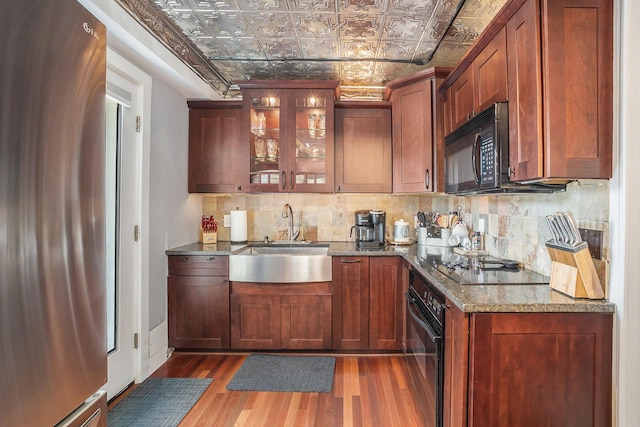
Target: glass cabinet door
[[288, 127], [265, 139], [311, 137]]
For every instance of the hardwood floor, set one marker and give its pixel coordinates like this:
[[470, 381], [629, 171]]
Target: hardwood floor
[[368, 390]]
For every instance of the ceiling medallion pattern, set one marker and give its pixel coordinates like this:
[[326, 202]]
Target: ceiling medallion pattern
[[362, 43]]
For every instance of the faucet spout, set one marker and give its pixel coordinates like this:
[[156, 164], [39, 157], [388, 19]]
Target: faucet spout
[[287, 212]]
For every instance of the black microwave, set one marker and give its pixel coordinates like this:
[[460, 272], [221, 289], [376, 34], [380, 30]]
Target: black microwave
[[476, 157]]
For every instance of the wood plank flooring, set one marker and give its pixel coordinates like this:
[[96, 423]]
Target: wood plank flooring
[[368, 390]]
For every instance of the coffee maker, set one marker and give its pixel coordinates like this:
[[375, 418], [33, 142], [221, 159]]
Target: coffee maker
[[369, 228]]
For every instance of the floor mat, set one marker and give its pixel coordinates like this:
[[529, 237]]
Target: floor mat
[[158, 402], [267, 372]]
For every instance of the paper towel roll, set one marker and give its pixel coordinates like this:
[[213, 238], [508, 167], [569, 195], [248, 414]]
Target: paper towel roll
[[238, 226]]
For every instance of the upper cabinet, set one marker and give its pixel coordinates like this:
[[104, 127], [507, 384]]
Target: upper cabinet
[[417, 131], [287, 141], [363, 130], [562, 126], [481, 84], [214, 135], [559, 86]]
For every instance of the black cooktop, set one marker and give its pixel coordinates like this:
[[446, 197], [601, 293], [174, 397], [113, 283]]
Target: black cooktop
[[483, 270]]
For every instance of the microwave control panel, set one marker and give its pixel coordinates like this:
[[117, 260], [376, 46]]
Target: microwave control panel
[[487, 160]]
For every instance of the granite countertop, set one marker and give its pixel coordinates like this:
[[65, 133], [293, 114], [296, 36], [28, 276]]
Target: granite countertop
[[468, 298]]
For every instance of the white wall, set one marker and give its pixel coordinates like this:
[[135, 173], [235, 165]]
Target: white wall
[[173, 213], [625, 225]]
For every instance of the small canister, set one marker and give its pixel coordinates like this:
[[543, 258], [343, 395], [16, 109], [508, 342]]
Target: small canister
[[401, 231], [422, 235], [477, 241]]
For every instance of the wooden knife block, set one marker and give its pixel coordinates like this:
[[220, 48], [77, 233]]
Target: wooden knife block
[[573, 272], [208, 237]]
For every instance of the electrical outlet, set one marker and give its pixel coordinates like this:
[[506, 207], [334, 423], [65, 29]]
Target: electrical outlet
[[594, 240]]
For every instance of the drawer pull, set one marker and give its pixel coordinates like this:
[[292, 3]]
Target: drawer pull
[[212, 259], [350, 261], [185, 259]]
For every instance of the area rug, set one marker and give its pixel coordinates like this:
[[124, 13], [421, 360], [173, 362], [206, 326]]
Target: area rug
[[268, 372], [157, 402]]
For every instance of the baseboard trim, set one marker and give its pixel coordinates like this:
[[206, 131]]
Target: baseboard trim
[[158, 346]]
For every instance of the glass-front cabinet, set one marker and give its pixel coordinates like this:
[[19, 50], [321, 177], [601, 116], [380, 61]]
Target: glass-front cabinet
[[288, 135]]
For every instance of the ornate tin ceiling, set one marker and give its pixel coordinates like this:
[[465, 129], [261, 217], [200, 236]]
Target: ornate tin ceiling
[[362, 43]]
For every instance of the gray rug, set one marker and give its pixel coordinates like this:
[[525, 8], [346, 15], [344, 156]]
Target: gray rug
[[158, 402], [268, 372]]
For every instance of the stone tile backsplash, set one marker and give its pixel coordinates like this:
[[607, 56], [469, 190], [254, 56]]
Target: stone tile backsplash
[[515, 226]]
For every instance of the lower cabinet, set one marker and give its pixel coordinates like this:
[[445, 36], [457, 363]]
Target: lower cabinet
[[271, 316], [351, 303], [528, 369], [198, 302], [367, 303]]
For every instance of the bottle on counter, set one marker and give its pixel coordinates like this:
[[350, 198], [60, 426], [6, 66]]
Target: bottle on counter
[[477, 241]]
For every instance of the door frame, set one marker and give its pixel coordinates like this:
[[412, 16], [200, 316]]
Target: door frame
[[121, 66]]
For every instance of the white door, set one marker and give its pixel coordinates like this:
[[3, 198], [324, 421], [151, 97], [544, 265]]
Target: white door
[[123, 192]]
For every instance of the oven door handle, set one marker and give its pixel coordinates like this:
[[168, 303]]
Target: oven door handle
[[433, 335]]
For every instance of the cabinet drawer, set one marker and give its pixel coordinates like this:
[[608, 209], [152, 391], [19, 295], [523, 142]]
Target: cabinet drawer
[[198, 265]]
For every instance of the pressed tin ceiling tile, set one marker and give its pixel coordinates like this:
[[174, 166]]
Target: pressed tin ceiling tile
[[360, 26], [399, 27], [316, 26], [367, 6], [362, 43], [397, 49]]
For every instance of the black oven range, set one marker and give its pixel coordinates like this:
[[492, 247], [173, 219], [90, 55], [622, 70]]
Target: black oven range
[[424, 350]]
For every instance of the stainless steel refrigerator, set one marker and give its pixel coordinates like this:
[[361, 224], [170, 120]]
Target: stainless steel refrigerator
[[52, 214]]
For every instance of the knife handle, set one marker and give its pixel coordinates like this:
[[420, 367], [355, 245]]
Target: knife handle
[[573, 225]]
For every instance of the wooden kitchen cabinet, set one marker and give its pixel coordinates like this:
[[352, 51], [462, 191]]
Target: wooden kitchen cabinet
[[214, 135], [198, 302], [287, 139], [417, 129], [559, 87], [386, 299], [461, 102], [351, 303], [363, 147], [560, 101], [456, 366], [528, 369], [306, 321], [480, 85], [367, 301], [266, 316]]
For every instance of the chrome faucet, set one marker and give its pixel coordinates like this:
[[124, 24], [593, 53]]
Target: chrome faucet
[[287, 212]]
